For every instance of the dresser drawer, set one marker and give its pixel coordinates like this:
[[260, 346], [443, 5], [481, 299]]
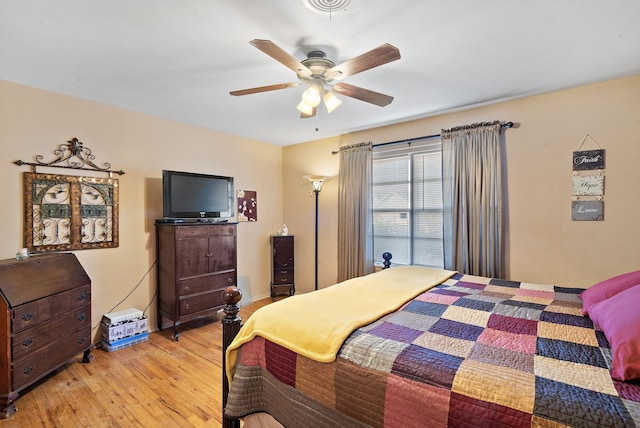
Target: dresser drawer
[[192, 231], [222, 229], [43, 335], [200, 302], [33, 313], [33, 366], [206, 283], [282, 276]]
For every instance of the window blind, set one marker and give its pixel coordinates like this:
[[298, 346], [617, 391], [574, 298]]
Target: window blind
[[407, 203]]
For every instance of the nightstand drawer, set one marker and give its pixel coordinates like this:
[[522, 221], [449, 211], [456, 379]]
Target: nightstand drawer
[[283, 276]]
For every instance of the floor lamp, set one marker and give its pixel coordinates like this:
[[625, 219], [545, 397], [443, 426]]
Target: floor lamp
[[316, 187]]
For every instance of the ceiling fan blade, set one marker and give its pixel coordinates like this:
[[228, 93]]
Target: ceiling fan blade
[[307, 116], [362, 94], [264, 88], [383, 54], [282, 56]]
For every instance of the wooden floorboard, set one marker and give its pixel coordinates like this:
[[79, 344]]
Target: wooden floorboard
[[158, 383]]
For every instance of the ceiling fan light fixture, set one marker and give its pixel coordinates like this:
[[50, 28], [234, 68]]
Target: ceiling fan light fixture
[[307, 116], [305, 108], [313, 95], [318, 72], [331, 101]]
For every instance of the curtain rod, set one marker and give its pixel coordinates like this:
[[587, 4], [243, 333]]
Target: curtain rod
[[425, 137]]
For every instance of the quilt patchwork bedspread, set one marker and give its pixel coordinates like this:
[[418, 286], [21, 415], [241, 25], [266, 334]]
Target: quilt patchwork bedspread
[[472, 351]]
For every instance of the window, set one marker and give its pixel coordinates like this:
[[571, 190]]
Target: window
[[407, 203]]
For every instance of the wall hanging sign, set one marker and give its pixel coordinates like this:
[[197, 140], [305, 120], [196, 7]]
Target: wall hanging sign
[[247, 205], [588, 160], [70, 212], [588, 183], [587, 210]]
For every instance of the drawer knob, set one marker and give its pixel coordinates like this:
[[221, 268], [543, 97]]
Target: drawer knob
[[186, 306], [27, 370], [27, 342], [82, 296], [230, 280], [82, 340], [81, 317], [27, 316]]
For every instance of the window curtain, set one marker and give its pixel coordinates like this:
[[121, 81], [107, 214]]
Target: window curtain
[[355, 237], [473, 199]]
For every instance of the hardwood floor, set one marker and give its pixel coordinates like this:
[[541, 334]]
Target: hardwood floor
[[158, 383]]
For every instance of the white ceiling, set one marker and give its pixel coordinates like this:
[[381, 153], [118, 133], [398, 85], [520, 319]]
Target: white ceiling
[[179, 59]]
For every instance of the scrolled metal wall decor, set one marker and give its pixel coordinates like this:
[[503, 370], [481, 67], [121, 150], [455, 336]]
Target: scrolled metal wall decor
[[68, 212], [73, 155]]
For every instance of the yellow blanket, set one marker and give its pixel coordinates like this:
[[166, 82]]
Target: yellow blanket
[[316, 324]]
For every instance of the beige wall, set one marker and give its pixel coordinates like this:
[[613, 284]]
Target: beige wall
[[34, 122], [543, 244]]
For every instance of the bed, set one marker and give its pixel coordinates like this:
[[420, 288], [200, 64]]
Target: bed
[[444, 349]]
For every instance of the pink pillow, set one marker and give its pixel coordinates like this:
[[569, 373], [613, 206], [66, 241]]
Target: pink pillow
[[618, 317], [607, 288]]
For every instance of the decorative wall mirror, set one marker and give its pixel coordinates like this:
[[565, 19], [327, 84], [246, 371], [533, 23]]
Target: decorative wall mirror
[[70, 212]]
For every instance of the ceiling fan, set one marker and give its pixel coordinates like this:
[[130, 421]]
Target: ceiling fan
[[319, 73]]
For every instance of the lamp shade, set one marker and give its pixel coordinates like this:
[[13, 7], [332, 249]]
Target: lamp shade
[[313, 95], [331, 101], [316, 182], [304, 108]]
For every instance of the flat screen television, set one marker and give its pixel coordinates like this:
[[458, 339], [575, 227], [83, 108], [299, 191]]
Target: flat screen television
[[189, 195]]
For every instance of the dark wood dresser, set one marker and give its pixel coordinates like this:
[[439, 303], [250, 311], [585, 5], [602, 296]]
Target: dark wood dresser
[[196, 262], [45, 320], [282, 266]]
